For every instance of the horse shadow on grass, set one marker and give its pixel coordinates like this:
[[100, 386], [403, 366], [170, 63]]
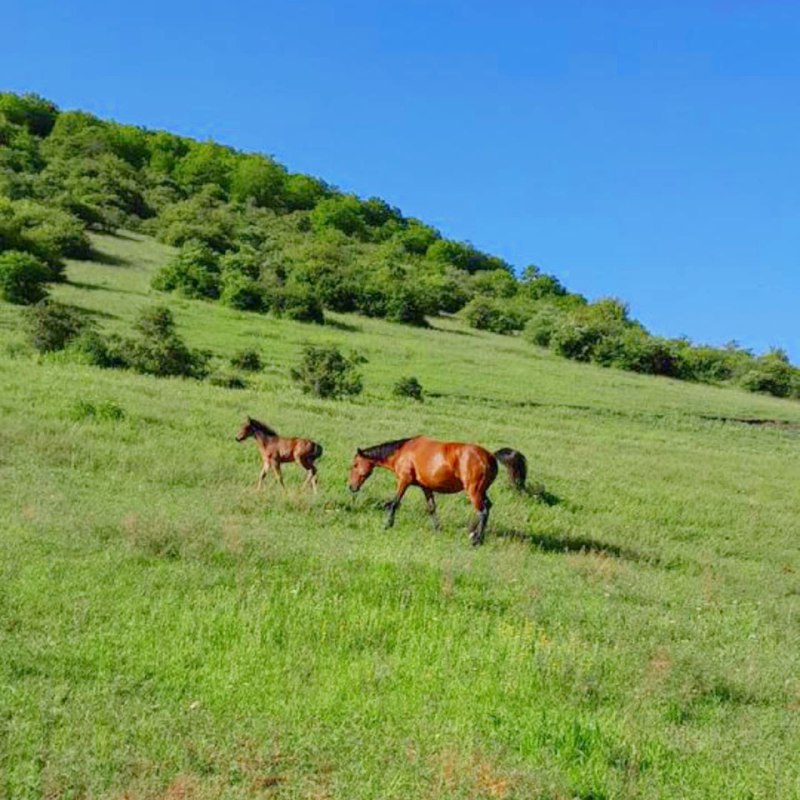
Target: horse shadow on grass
[[550, 543]]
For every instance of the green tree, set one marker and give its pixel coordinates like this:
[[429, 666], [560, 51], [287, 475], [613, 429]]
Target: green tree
[[22, 278]]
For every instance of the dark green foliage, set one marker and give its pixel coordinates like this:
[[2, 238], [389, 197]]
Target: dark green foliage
[[342, 212], [205, 163], [408, 387], [325, 372], [160, 351], [109, 352], [194, 272], [203, 217], [52, 326], [22, 278], [489, 314], [259, 180], [584, 333], [260, 239], [47, 233], [464, 256], [536, 285], [773, 374], [299, 302], [32, 112], [542, 324], [248, 360], [499, 283]]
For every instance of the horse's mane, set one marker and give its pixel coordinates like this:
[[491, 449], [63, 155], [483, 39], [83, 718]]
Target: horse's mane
[[378, 452], [262, 428]]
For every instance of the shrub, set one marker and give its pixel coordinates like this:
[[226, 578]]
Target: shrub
[[772, 374], [92, 348], [497, 316], [160, 351], [22, 278], [242, 293], [325, 372], [52, 326], [541, 326], [408, 387], [248, 360], [194, 272], [299, 302]]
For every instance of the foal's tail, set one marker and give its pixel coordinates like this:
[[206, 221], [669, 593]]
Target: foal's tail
[[516, 464]]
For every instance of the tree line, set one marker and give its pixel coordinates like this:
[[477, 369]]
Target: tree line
[[254, 236]]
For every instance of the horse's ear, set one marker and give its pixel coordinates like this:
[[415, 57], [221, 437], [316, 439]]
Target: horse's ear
[[360, 451], [249, 419]]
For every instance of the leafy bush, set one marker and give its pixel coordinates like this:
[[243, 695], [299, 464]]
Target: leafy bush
[[542, 325], [325, 372], [193, 271], [160, 351], [52, 326], [408, 387], [489, 314], [248, 360], [22, 278], [109, 352], [299, 302], [772, 374]]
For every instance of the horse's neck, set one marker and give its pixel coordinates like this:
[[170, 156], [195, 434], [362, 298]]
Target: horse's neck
[[263, 440]]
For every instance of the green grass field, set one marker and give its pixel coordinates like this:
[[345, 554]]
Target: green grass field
[[167, 632]]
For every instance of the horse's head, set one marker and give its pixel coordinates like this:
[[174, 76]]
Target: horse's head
[[246, 431], [360, 471]]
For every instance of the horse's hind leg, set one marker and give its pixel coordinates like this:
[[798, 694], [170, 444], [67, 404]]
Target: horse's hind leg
[[483, 505], [311, 472], [431, 503]]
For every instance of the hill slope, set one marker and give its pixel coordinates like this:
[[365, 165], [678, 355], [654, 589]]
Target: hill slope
[[167, 632]]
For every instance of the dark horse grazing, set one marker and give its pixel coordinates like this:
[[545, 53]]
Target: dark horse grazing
[[276, 450], [445, 467]]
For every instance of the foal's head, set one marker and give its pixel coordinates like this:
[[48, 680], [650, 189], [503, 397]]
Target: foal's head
[[360, 471], [251, 427]]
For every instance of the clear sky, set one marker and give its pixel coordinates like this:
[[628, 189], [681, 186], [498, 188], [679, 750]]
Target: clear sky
[[642, 149]]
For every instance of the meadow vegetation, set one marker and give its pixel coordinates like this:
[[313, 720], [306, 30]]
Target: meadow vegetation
[[629, 629], [253, 236]]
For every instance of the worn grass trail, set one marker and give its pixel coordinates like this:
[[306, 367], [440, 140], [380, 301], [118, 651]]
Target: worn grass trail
[[167, 632]]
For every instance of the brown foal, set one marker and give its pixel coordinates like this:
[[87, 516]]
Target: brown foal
[[276, 450]]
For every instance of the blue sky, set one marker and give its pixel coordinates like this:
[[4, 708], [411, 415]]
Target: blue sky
[[644, 150]]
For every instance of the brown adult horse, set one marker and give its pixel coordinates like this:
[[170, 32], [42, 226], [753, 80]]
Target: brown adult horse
[[444, 467], [276, 450]]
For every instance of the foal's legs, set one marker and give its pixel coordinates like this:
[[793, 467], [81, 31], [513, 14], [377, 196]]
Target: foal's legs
[[261, 475], [311, 472], [276, 468], [402, 485], [431, 503]]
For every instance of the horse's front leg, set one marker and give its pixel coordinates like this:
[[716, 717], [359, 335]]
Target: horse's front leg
[[431, 503], [261, 475], [402, 485], [276, 468]]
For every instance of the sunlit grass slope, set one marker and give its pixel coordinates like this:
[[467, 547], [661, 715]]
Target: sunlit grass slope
[[166, 632]]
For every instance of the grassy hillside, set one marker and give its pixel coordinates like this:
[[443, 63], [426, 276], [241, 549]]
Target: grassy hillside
[[166, 632]]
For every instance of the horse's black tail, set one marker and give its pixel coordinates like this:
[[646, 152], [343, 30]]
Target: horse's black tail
[[317, 451], [516, 464]]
